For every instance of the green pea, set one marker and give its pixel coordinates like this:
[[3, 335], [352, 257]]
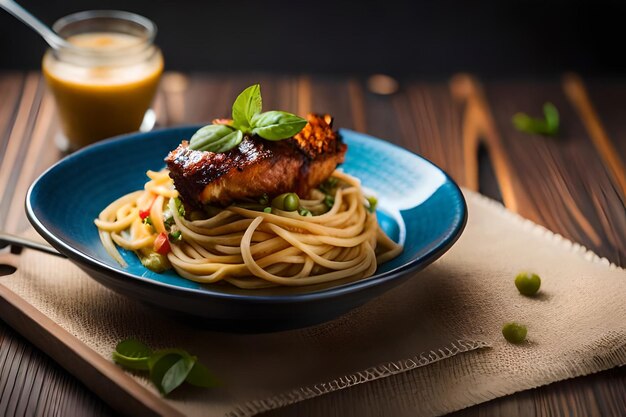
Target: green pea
[[514, 332], [175, 236], [292, 202], [287, 202], [373, 202], [155, 262], [279, 201], [527, 283]]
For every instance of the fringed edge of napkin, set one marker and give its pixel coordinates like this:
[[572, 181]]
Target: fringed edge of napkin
[[616, 354], [254, 407], [537, 229], [384, 370]]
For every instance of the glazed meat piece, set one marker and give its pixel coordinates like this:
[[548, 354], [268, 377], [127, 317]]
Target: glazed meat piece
[[258, 166]]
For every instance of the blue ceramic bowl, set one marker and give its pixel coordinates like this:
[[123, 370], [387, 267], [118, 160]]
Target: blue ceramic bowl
[[419, 206]]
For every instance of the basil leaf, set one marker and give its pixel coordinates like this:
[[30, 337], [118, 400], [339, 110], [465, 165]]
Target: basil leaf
[[200, 376], [177, 374], [228, 142], [277, 125], [527, 124], [133, 348], [129, 362], [215, 138], [246, 106], [180, 207], [132, 354], [549, 125], [168, 368], [552, 118], [207, 135], [171, 370], [156, 356]]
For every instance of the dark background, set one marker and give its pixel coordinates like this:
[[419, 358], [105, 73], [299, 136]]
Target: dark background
[[495, 38]]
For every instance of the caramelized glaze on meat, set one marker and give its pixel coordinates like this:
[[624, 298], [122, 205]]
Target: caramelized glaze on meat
[[258, 166]]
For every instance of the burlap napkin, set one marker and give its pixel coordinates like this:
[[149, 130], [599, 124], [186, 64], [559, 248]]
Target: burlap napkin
[[429, 347]]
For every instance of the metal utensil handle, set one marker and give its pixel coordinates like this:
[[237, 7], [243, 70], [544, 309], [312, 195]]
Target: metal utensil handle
[[19, 12], [9, 239]]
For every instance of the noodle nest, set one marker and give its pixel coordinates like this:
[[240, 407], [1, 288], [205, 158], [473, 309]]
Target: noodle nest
[[247, 247]]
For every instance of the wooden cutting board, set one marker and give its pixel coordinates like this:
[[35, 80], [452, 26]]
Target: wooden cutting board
[[103, 377]]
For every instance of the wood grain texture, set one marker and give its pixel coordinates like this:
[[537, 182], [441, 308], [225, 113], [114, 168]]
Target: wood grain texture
[[563, 183], [567, 186], [576, 92], [479, 127], [426, 119], [429, 119], [607, 99], [33, 385], [102, 376]]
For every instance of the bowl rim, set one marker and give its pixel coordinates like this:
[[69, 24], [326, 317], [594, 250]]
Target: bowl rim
[[97, 265]]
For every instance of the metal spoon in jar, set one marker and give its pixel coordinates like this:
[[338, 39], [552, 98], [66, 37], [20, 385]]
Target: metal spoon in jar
[[54, 40]]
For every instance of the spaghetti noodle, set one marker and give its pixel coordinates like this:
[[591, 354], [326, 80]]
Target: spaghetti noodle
[[327, 240]]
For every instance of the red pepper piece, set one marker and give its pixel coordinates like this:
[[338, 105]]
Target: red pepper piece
[[162, 244]]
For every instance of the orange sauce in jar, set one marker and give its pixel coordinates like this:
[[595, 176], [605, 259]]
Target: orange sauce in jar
[[99, 91]]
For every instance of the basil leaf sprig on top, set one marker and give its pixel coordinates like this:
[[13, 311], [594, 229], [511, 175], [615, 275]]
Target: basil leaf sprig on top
[[247, 119]]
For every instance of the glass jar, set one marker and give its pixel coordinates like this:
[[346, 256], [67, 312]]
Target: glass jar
[[104, 81]]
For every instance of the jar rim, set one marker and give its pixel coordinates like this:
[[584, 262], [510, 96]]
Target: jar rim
[[147, 26]]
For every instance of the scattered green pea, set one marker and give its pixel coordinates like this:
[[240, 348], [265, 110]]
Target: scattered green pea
[[328, 186], [287, 202], [527, 283], [304, 212], [292, 202], [175, 236], [514, 332], [169, 219], [267, 210], [279, 201], [155, 262], [373, 202]]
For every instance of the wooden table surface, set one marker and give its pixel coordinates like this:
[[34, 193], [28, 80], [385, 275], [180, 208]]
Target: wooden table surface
[[574, 184]]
